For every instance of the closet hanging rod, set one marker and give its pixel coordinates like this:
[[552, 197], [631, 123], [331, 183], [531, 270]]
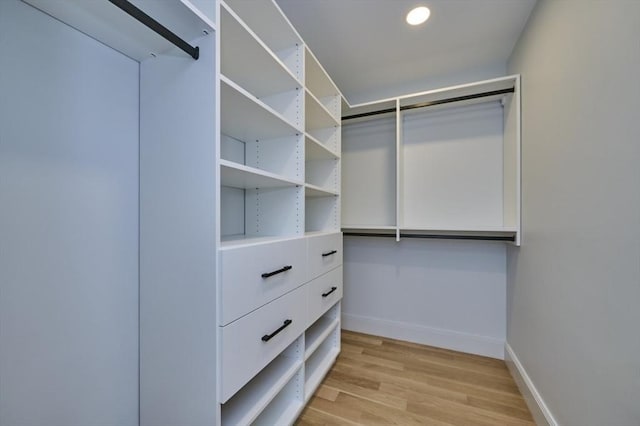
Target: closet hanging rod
[[157, 27], [431, 103], [509, 238]]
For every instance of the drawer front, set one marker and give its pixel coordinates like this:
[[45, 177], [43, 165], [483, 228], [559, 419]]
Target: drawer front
[[323, 293], [244, 350], [253, 276], [324, 254]]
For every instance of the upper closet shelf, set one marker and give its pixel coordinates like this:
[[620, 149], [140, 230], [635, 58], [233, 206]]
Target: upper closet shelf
[[317, 116], [110, 25], [267, 21], [248, 61], [313, 191], [315, 150], [240, 176], [247, 118]]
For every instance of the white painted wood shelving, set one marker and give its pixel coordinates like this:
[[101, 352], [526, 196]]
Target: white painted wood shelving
[[280, 251], [438, 164]]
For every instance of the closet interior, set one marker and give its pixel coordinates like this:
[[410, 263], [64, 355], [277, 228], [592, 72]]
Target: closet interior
[[245, 153]]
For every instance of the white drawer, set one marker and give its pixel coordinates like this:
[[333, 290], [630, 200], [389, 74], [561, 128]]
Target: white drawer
[[324, 254], [244, 351], [323, 293], [245, 285]]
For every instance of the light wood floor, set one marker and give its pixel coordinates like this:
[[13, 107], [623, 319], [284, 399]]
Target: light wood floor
[[379, 381]]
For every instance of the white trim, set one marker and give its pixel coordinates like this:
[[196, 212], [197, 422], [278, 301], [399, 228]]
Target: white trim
[[539, 410], [449, 339]]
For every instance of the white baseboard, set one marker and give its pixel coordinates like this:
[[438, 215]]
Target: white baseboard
[[470, 343], [539, 410]]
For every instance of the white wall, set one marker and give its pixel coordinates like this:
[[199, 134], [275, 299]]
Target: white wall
[[442, 293], [68, 226], [574, 285]]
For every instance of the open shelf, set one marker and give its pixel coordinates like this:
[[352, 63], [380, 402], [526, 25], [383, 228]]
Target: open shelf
[[322, 213], [242, 53], [320, 361], [247, 404], [315, 150], [315, 191], [246, 118], [317, 116], [280, 156], [240, 176], [321, 86], [110, 25], [318, 332], [269, 24], [285, 407]]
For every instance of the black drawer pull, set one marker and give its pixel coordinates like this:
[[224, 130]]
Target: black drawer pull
[[268, 337], [329, 292], [279, 271], [329, 253]]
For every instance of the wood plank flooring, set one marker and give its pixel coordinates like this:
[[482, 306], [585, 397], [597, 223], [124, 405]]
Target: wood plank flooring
[[380, 381]]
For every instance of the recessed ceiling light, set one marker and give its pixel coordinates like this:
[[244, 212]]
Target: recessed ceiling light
[[418, 15]]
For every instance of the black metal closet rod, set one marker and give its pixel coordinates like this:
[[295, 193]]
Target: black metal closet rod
[[510, 238], [156, 26], [431, 103]]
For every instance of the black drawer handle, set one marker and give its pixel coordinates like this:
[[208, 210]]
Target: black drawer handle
[[268, 337], [329, 253], [329, 292], [279, 271]]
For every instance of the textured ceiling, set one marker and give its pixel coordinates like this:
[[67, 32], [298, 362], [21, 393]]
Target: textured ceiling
[[371, 53]]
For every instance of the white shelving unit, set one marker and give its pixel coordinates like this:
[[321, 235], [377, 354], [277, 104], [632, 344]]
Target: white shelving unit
[[322, 144], [436, 164], [279, 168]]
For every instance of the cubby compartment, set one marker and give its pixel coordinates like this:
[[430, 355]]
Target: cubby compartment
[[286, 406], [317, 117], [320, 361], [267, 22], [274, 390], [247, 118], [321, 86], [322, 211], [323, 173], [249, 212], [316, 150], [242, 53], [280, 156], [321, 329]]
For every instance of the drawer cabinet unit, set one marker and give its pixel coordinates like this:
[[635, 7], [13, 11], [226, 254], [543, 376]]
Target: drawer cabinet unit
[[251, 342], [323, 293], [324, 254], [252, 276]]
